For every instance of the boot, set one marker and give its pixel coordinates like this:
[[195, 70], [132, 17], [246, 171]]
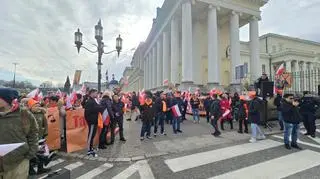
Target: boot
[[231, 124], [222, 126]]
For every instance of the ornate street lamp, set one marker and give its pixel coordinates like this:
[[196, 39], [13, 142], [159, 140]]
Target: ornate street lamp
[[119, 45], [78, 39], [99, 37]]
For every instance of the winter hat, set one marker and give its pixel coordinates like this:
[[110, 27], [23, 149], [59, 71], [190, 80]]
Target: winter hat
[[8, 94], [148, 94]]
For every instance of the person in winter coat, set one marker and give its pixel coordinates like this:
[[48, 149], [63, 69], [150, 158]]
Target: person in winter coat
[[169, 100], [91, 112], [308, 108], [243, 115], [106, 104], [277, 103], [117, 108], [292, 118], [135, 106], [17, 125], [206, 104], [177, 100], [215, 112], [160, 111], [147, 115], [225, 107], [195, 103], [254, 117], [235, 102]]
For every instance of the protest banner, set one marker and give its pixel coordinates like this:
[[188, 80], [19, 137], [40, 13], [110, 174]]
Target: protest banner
[[53, 119], [77, 131]]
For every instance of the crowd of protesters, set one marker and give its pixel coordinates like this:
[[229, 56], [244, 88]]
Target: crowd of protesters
[[23, 120]]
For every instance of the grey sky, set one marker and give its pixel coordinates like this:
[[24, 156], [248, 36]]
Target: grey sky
[[39, 34]]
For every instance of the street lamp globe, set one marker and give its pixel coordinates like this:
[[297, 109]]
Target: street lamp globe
[[78, 39], [119, 44], [98, 31]]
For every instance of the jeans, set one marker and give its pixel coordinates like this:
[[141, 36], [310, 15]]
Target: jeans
[[146, 128], [114, 123], [159, 120], [176, 124], [280, 118], [256, 131], [103, 136], [195, 113], [309, 122], [293, 130]]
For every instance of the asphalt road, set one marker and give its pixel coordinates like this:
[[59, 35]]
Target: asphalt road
[[204, 156]]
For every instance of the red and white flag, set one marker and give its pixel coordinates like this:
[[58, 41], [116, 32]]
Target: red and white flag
[[165, 82], [83, 89], [59, 93], [227, 112], [280, 70], [176, 111], [34, 94], [106, 117]]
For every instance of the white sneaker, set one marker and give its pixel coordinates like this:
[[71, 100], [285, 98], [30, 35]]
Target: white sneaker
[[253, 140], [261, 137]]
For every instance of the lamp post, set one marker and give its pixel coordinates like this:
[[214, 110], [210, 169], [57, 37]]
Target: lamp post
[[100, 47]]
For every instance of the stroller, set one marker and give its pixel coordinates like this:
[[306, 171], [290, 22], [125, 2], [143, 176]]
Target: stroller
[[43, 157]]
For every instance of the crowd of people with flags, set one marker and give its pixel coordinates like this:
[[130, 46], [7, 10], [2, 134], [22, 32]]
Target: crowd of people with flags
[[108, 110]]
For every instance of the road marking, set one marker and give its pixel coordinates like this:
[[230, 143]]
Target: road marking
[[55, 162], [141, 166], [299, 141], [74, 166], [199, 159], [277, 168], [97, 171]]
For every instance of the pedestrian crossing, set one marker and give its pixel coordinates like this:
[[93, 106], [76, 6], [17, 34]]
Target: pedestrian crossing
[[264, 159]]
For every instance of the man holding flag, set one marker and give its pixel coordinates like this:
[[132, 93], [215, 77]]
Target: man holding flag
[[177, 110]]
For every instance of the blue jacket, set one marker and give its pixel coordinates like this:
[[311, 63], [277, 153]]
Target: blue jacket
[[117, 109]]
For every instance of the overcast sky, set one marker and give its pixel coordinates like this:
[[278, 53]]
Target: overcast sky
[[39, 34]]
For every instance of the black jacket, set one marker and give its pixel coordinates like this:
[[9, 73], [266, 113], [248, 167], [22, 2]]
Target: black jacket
[[254, 110], [195, 103], [290, 113], [215, 108], [207, 103], [179, 102], [308, 105], [92, 109], [158, 105], [106, 103], [117, 109], [277, 102], [147, 112], [135, 101]]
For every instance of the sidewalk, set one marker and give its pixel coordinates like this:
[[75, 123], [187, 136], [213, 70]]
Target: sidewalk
[[194, 136]]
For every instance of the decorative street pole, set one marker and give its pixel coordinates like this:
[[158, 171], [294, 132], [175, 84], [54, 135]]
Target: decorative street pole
[[99, 37]]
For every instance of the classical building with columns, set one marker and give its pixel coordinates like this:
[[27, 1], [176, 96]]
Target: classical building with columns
[[195, 43]]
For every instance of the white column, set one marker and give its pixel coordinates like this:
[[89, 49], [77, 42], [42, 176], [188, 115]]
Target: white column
[[288, 66], [145, 72], [150, 70], [154, 67], [186, 43], [175, 51], [255, 64], [305, 76], [213, 58], [297, 76], [166, 73], [312, 77], [235, 45], [197, 56], [159, 62]]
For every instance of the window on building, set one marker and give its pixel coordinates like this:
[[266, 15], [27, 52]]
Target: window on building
[[274, 48], [280, 47], [263, 68]]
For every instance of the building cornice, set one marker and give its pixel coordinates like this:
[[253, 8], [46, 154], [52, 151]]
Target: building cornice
[[290, 38]]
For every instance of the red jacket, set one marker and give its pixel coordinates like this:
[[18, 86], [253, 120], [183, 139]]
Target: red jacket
[[225, 105]]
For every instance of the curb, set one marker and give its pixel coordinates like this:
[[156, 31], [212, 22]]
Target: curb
[[119, 159]]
